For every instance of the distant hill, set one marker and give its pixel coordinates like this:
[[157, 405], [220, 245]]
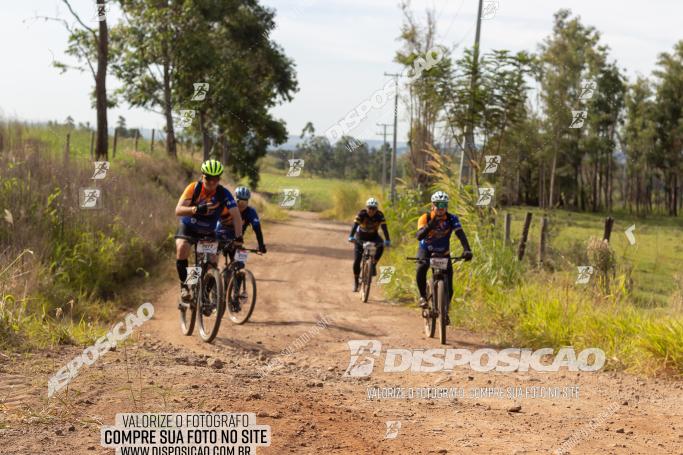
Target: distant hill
[[292, 142]]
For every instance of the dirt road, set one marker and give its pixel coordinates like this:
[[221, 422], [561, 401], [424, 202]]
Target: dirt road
[[304, 317]]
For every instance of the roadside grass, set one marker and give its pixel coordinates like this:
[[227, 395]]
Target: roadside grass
[[654, 260], [334, 198], [68, 272]]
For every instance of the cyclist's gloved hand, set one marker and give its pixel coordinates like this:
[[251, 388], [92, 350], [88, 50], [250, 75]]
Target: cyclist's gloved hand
[[387, 243], [351, 239], [467, 255], [202, 209], [262, 249]]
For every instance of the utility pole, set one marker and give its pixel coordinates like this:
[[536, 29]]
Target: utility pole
[[393, 152], [384, 156], [469, 129]]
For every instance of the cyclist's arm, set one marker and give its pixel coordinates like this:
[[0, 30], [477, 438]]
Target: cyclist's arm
[[460, 233], [259, 233], [385, 231], [236, 221], [353, 230], [183, 207], [422, 227]]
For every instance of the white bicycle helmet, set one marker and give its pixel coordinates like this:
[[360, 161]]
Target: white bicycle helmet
[[440, 196], [372, 202], [243, 193]]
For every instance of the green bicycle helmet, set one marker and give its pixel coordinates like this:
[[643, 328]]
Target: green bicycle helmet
[[212, 168]]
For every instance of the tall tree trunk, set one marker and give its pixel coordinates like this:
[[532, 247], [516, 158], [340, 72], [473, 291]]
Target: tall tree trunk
[[102, 143], [206, 138], [171, 149]]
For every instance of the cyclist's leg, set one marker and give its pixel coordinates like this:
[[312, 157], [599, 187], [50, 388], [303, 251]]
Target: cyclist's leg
[[357, 257], [449, 283], [421, 272], [183, 238], [380, 248]]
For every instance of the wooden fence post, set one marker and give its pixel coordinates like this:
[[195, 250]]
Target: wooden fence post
[[116, 136], [508, 220], [92, 145], [137, 136], [151, 145], [544, 238], [525, 236], [609, 222], [66, 148]]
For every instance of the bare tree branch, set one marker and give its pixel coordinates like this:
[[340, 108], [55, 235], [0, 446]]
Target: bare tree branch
[[73, 13]]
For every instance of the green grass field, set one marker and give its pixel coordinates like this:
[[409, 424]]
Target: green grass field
[[656, 260]]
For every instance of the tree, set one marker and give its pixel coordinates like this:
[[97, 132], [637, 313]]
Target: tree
[[89, 46]]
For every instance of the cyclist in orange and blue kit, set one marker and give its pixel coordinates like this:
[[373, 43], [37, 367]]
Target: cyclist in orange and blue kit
[[199, 208], [434, 231], [225, 230]]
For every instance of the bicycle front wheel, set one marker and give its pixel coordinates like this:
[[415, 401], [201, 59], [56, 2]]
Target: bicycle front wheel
[[188, 313], [241, 296], [211, 306], [441, 293], [430, 321], [366, 280]]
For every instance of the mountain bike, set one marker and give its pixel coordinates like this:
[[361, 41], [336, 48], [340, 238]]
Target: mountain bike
[[368, 258], [437, 295], [239, 283], [206, 289]]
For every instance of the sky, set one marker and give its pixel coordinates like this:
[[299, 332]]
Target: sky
[[341, 49]]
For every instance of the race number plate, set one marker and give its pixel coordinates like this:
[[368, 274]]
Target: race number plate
[[241, 256], [439, 263], [207, 247]]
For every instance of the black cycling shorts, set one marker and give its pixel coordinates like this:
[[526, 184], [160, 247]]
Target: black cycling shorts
[[188, 233]]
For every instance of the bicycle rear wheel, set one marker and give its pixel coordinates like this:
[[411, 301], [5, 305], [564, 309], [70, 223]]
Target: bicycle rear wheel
[[441, 293], [366, 280], [211, 306], [241, 296], [430, 321]]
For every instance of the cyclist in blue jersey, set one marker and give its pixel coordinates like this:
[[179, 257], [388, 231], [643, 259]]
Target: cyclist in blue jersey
[[434, 231], [225, 230], [199, 209]]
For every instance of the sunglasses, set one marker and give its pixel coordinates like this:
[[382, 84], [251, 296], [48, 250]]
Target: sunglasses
[[441, 205], [213, 179]]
